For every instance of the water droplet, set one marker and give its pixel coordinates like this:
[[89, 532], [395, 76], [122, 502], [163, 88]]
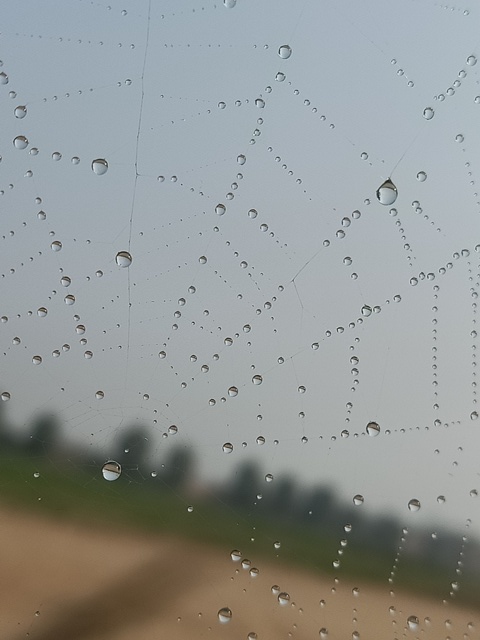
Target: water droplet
[[37, 359], [5, 396], [224, 615], [20, 142], [280, 77], [472, 61], [229, 3], [414, 504], [473, 415], [252, 636], [387, 193], [257, 379], [269, 477], [236, 555], [283, 598], [3, 78], [202, 260], [428, 113], [70, 299], [413, 623], [277, 545], [75, 160], [99, 166], [358, 499], [232, 392], [99, 395], [111, 470], [56, 245], [260, 103], [20, 112], [42, 312], [227, 447], [323, 633], [473, 492], [220, 209], [373, 429], [421, 176], [441, 499], [285, 51], [366, 310], [123, 259]]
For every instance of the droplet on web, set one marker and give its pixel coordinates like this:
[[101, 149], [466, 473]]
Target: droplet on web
[[123, 259], [414, 504], [285, 51], [224, 615], [358, 500], [20, 142], [428, 113], [413, 623], [111, 470], [20, 112], [99, 166], [387, 193], [227, 447], [283, 598], [373, 429], [257, 379]]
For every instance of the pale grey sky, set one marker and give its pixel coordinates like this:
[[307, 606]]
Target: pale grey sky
[[320, 131]]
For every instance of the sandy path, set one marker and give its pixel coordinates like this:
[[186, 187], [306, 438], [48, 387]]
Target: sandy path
[[95, 584]]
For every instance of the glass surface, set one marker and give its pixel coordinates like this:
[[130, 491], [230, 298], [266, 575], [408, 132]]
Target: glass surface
[[240, 264]]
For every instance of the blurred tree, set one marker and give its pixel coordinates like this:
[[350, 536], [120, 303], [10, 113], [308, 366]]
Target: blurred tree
[[178, 469], [318, 506], [281, 498], [43, 434], [131, 447], [245, 485]]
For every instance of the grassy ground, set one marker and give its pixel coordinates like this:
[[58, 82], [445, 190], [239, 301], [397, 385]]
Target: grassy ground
[[66, 490]]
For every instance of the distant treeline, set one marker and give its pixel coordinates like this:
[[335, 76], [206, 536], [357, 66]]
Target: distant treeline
[[284, 501]]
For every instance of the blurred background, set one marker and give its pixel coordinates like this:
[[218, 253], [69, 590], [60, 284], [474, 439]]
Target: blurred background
[[239, 267]]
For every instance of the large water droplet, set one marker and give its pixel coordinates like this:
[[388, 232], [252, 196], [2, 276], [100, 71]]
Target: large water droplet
[[123, 259], [387, 193], [232, 392], [358, 500], [227, 447], [257, 379], [472, 61], [37, 359], [5, 396], [285, 51], [414, 504], [3, 78], [373, 429], [428, 113], [413, 623], [236, 555], [283, 598], [111, 470], [220, 209], [224, 615], [20, 142], [99, 166], [56, 245], [20, 112], [421, 176]]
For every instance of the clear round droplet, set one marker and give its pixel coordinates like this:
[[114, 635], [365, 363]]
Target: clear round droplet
[[387, 193], [358, 500], [123, 259], [42, 312], [3, 78], [413, 623], [5, 396], [472, 60], [20, 112], [229, 3], [421, 176], [20, 142], [285, 51], [56, 245], [373, 429], [257, 379], [283, 598], [414, 504], [428, 113], [99, 395], [227, 447], [474, 415], [220, 209], [260, 103], [99, 166], [224, 615], [37, 359], [323, 633], [111, 470], [269, 477], [232, 392], [366, 310]]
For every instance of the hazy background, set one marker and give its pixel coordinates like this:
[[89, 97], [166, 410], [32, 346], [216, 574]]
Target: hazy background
[[192, 106]]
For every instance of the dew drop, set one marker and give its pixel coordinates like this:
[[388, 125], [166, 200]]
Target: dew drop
[[257, 379], [20, 142], [387, 193], [202, 260], [3, 78], [20, 112], [474, 415], [283, 598], [414, 504], [5, 396], [99, 166], [358, 499], [413, 623], [366, 310], [269, 477], [42, 312], [37, 359], [111, 470], [373, 429], [421, 176], [229, 3], [260, 103], [99, 395], [323, 633], [236, 555], [56, 245], [220, 209], [472, 61], [428, 113], [123, 259], [224, 615], [285, 51], [227, 447]]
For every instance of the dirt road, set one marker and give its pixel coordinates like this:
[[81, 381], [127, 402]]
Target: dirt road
[[65, 580]]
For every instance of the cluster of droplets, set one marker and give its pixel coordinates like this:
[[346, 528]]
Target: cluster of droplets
[[470, 61], [401, 73]]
